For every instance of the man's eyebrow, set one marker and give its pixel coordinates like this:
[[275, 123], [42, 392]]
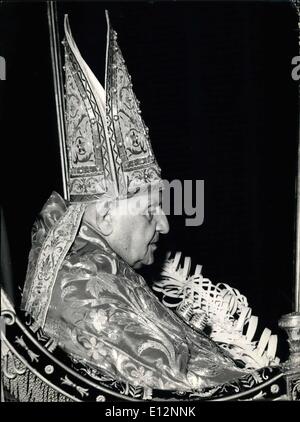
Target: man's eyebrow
[[154, 205]]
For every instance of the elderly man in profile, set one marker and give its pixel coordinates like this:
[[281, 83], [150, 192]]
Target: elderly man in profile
[[81, 285]]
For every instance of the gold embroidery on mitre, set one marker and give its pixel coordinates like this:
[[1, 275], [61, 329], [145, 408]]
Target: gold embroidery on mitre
[[127, 131], [109, 149], [90, 170]]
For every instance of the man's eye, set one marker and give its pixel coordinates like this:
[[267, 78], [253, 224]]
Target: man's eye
[[149, 214]]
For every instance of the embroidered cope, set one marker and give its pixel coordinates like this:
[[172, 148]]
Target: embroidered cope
[[103, 313]]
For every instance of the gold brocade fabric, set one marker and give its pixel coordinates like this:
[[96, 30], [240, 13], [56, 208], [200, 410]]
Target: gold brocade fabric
[[103, 312]]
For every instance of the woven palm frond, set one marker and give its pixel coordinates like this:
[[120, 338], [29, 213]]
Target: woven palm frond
[[219, 307]]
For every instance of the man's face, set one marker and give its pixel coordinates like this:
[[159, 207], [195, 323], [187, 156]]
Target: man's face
[[136, 225]]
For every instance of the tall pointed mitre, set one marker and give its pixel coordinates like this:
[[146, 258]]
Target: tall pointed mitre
[[109, 149]]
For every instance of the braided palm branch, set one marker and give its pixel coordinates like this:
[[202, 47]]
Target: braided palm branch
[[219, 308]]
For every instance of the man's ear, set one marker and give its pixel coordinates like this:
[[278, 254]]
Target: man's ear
[[104, 217]]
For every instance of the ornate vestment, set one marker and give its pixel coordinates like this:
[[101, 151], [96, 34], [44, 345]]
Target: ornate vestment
[[101, 311]]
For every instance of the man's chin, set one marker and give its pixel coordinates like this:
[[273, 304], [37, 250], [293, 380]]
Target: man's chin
[[147, 260]]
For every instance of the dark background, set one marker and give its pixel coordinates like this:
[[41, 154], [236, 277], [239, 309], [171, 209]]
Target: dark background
[[214, 80]]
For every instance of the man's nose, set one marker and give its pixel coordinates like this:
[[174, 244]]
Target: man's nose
[[162, 224]]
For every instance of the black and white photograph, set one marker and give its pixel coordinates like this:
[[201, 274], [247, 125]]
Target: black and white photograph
[[150, 203]]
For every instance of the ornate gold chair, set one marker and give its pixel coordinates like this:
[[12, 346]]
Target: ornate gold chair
[[33, 368]]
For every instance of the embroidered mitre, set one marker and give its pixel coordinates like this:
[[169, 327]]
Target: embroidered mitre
[[108, 145]]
